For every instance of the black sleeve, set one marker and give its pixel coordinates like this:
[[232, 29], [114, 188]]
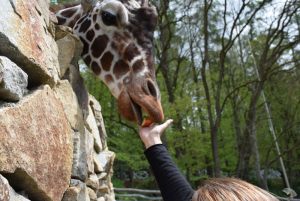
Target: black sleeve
[[172, 184]]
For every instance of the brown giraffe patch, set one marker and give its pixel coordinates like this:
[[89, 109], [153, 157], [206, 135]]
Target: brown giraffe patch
[[95, 67], [99, 45], [73, 22], [120, 69], [85, 46], [97, 27], [113, 45], [61, 20], [138, 66], [69, 12], [122, 42], [94, 17], [81, 19], [85, 25], [87, 60], [106, 61], [108, 79], [131, 51], [90, 35]]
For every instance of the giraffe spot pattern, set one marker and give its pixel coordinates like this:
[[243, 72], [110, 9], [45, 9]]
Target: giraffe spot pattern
[[138, 66], [87, 60], [68, 13], [97, 27], [85, 25], [94, 17], [96, 68], [106, 61], [85, 46], [120, 69], [81, 20], [109, 79], [90, 35], [130, 52], [61, 20], [73, 22], [99, 45], [120, 86]]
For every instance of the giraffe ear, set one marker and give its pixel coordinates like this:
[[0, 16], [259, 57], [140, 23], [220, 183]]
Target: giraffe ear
[[148, 17]]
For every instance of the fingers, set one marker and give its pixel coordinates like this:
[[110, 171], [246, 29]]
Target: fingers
[[164, 126]]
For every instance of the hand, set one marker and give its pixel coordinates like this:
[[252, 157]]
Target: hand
[[151, 135]]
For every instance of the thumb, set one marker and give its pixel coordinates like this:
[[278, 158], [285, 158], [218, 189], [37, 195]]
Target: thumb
[[164, 126]]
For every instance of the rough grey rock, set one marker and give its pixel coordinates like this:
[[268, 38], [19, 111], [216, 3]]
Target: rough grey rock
[[7, 193], [79, 167], [105, 159], [93, 182], [96, 108], [91, 125], [65, 94], [25, 39], [13, 80], [82, 155], [90, 151], [97, 164], [102, 176], [66, 50], [77, 191], [92, 194], [35, 146]]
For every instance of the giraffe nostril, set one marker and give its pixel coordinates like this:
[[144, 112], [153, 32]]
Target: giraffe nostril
[[151, 88]]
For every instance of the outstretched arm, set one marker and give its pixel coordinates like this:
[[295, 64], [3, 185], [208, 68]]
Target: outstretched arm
[[172, 184]]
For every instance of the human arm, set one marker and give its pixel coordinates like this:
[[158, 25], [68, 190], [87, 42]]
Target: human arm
[[173, 185]]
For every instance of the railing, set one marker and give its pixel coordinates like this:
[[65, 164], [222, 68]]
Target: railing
[[137, 194]]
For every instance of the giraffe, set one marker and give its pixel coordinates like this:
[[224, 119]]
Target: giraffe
[[117, 36]]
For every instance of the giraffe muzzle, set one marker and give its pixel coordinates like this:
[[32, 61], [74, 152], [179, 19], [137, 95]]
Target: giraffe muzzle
[[141, 104]]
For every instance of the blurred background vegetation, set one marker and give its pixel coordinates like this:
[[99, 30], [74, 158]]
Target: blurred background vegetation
[[215, 61]]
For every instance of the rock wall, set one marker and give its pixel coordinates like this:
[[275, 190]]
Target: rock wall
[[52, 136]]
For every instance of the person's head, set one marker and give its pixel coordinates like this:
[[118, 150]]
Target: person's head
[[221, 189]]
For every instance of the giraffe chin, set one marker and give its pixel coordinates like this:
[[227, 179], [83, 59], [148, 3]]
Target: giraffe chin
[[134, 109]]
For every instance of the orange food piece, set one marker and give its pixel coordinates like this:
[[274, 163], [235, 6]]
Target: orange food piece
[[147, 123]]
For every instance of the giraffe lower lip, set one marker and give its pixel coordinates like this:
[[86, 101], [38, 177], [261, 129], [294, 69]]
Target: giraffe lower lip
[[137, 110]]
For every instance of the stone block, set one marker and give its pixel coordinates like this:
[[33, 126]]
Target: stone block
[[82, 155], [13, 81], [35, 146], [92, 194], [66, 50], [91, 125], [93, 182], [97, 164], [77, 191], [25, 39], [66, 95], [105, 160], [96, 109], [7, 193]]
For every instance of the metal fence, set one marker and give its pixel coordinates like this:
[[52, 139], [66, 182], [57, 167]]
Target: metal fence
[[132, 194]]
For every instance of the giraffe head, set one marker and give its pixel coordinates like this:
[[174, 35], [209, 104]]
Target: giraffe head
[[118, 46]]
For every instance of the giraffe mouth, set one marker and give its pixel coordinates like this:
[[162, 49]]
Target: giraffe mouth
[[138, 113]]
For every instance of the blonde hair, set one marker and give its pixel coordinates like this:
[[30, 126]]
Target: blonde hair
[[231, 189]]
